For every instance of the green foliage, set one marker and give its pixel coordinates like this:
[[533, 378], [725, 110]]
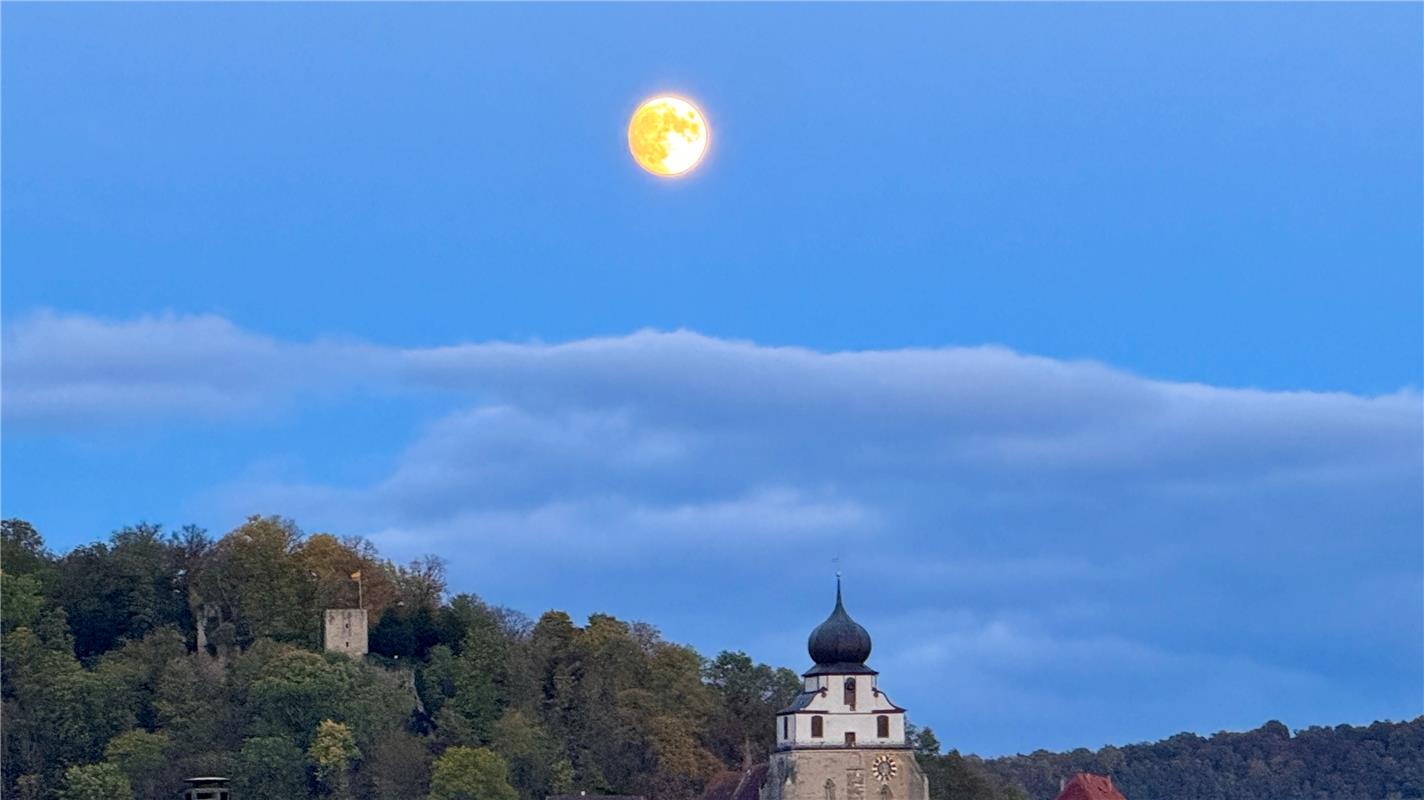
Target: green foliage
[[397, 768], [748, 694], [106, 691], [272, 768], [1383, 761], [190, 701], [95, 782], [332, 751], [294, 690], [62, 714], [468, 690], [22, 549], [922, 739], [954, 777], [143, 757], [121, 590], [470, 773], [21, 599], [138, 666], [537, 764], [298, 689], [256, 579]]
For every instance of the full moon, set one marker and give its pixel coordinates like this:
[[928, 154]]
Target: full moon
[[667, 136]]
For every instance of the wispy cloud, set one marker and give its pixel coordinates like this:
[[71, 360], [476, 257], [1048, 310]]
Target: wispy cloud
[[1048, 533]]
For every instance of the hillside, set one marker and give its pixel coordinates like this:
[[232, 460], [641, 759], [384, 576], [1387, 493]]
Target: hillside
[[1383, 761], [109, 693]]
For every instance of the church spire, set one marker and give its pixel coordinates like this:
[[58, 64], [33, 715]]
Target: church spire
[[839, 644]]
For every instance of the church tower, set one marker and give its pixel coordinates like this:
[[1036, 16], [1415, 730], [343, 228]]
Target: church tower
[[842, 738]]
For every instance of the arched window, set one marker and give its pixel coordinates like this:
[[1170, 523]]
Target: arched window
[[817, 729], [830, 789], [850, 693], [882, 726]]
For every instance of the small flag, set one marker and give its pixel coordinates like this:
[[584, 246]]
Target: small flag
[[356, 576]]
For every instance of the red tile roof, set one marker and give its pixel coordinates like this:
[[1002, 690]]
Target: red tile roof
[[1085, 786]]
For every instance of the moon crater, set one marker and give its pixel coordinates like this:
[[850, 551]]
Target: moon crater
[[667, 136]]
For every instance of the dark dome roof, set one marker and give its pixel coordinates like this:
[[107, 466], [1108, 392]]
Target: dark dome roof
[[839, 641]]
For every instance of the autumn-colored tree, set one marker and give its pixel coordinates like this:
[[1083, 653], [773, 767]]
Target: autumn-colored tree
[[470, 773], [332, 752], [515, 710], [334, 564]]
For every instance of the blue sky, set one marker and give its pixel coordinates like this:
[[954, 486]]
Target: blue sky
[[1086, 336]]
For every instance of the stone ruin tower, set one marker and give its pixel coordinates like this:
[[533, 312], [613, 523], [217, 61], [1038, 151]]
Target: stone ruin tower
[[345, 631]]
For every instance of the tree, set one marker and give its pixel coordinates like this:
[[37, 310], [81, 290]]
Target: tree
[[469, 691], [259, 584], [95, 782], [22, 549], [922, 739], [297, 689], [332, 751], [331, 561], [538, 767], [470, 773], [138, 665], [421, 583], [682, 765], [272, 768], [290, 691], [748, 695], [143, 757], [62, 713], [20, 596], [406, 632], [120, 590], [397, 767], [190, 701]]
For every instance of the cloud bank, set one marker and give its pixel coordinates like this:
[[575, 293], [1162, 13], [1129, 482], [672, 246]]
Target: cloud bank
[[1048, 552]]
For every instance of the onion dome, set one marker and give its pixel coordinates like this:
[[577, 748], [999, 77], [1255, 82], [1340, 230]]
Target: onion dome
[[840, 644]]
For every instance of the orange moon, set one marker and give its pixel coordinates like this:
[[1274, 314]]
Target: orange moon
[[667, 136]]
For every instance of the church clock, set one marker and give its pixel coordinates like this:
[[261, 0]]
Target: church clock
[[885, 767], [841, 738]]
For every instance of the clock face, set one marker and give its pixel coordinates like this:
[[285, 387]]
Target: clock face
[[885, 768]]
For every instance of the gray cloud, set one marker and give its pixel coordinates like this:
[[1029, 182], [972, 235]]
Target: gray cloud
[[1057, 536], [75, 371]]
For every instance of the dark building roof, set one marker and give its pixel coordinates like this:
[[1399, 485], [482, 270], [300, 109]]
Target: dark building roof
[[722, 786], [736, 785], [1086, 786], [839, 645], [802, 700]]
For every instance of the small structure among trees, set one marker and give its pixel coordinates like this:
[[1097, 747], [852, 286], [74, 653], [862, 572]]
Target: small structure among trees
[[208, 788]]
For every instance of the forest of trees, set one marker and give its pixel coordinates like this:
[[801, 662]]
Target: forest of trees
[[109, 693], [1383, 761]]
